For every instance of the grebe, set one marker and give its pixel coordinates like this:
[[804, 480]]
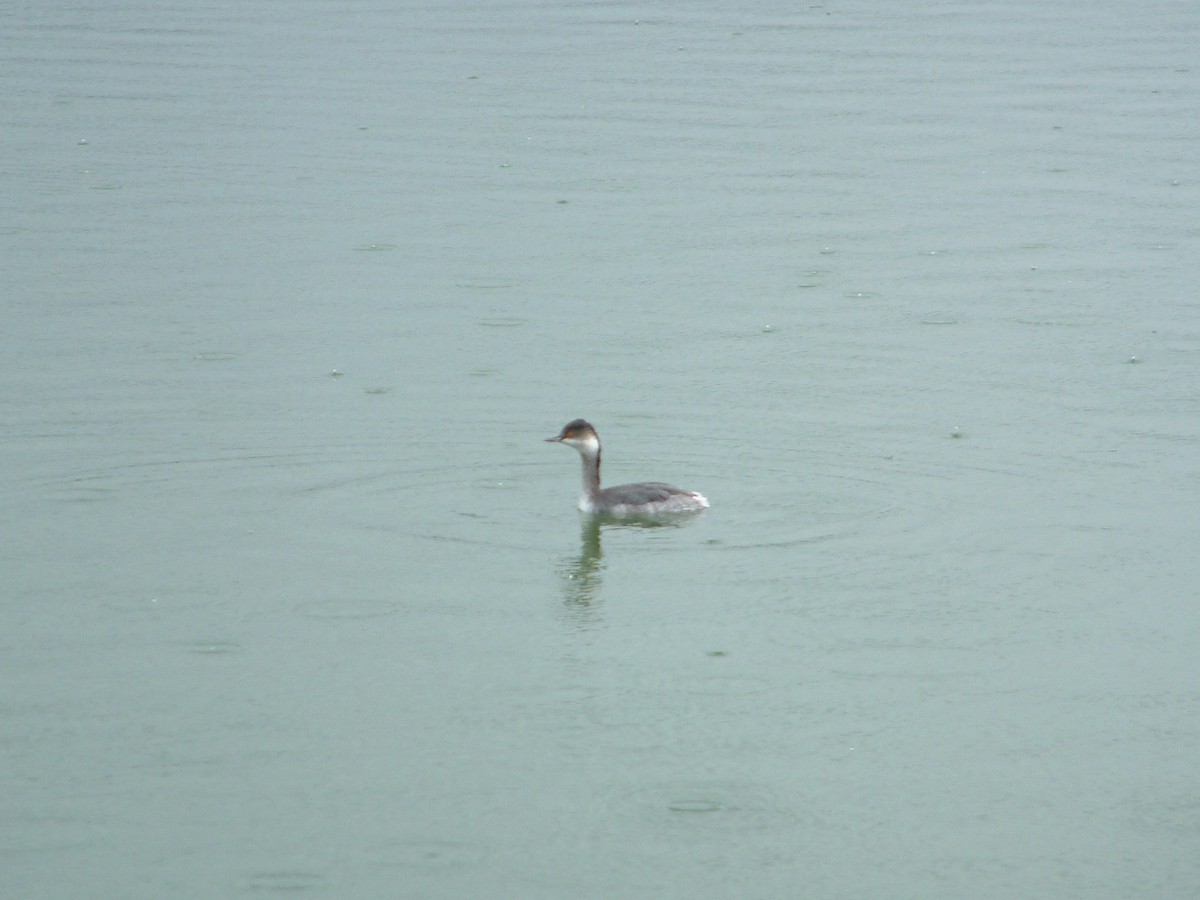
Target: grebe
[[646, 498]]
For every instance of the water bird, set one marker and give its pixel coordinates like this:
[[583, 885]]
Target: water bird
[[645, 498]]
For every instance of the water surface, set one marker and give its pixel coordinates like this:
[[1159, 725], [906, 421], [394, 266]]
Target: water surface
[[296, 599]]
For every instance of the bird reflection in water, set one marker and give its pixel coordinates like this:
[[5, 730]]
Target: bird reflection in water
[[583, 574]]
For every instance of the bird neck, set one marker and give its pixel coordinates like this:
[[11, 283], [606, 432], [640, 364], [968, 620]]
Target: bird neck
[[591, 474]]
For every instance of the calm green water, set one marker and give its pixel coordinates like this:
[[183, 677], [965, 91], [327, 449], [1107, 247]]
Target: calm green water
[[296, 600]]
